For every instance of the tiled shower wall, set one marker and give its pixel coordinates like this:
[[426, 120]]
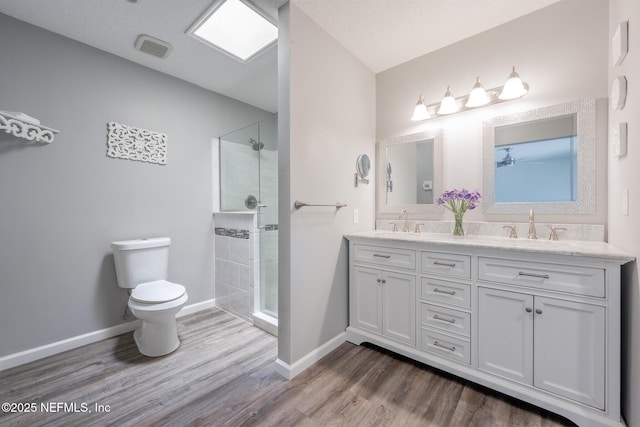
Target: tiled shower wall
[[237, 263]]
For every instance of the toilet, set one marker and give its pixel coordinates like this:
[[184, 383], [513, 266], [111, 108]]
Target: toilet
[[141, 267]]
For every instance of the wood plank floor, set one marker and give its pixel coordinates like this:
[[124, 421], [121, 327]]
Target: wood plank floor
[[223, 375]]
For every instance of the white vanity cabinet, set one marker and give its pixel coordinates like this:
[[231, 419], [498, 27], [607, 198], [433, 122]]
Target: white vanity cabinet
[[553, 344], [539, 321], [382, 299], [445, 305]]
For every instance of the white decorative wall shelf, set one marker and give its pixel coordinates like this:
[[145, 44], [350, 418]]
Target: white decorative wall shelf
[[127, 142], [23, 126]]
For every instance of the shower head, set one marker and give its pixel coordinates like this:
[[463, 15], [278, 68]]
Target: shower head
[[257, 146]]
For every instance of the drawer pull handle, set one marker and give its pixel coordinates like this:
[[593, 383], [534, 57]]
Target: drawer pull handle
[[382, 256], [445, 264], [539, 276], [446, 347], [444, 292], [444, 319]]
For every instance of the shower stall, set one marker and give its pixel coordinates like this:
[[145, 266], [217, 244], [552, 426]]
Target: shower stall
[[249, 190]]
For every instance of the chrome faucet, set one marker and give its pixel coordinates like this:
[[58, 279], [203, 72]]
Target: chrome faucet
[[532, 226], [513, 234], [404, 215], [554, 233]]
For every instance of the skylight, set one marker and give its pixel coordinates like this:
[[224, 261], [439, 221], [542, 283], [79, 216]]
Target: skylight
[[235, 28]]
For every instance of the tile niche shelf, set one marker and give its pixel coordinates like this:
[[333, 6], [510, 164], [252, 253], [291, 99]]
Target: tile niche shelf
[[26, 127]]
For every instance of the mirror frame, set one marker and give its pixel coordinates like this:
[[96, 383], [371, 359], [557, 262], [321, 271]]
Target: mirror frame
[[585, 111], [381, 169]]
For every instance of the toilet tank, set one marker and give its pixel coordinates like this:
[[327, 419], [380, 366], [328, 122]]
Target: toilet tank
[[141, 261]]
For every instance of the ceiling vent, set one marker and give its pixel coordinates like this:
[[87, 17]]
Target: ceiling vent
[[153, 46]]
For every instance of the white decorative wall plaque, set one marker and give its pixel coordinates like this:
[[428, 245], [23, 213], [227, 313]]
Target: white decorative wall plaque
[[127, 142]]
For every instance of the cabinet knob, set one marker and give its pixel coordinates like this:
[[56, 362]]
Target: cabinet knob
[[384, 281], [528, 310], [538, 311], [379, 280]]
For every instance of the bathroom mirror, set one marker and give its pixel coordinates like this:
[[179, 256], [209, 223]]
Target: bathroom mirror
[[541, 159], [410, 173]]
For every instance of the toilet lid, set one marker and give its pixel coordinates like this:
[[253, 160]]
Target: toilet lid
[[156, 292]]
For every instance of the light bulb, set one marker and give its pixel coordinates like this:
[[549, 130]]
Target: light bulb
[[448, 104], [478, 96], [514, 87], [420, 112]]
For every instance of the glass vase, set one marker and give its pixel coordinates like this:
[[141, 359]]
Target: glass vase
[[457, 229]]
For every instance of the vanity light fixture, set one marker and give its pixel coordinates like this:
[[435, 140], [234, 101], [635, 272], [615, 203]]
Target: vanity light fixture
[[513, 88], [478, 96], [448, 105], [420, 112]]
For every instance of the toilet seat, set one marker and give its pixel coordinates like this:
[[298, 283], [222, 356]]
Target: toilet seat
[[157, 292]]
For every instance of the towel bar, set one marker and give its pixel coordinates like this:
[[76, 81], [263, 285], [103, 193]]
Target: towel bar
[[298, 204]]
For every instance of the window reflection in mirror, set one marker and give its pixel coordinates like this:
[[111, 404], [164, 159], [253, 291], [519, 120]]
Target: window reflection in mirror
[[575, 119], [537, 161], [410, 173]]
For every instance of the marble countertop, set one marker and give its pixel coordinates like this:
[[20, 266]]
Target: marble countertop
[[566, 247]]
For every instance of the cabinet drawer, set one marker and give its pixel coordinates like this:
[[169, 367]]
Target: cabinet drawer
[[446, 319], [444, 345], [447, 292], [402, 258], [564, 278], [446, 264]]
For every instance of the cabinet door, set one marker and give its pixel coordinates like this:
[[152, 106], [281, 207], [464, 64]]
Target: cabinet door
[[505, 334], [569, 350], [366, 299], [399, 306]]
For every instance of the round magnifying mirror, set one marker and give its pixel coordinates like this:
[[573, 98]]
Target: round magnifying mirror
[[363, 165]]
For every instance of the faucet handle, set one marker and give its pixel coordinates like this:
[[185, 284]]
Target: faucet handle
[[419, 227], [394, 226], [554, 233], [513, 234]]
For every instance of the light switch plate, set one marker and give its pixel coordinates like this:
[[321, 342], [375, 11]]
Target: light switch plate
[[356, 216], [620, 139], [625, 202]]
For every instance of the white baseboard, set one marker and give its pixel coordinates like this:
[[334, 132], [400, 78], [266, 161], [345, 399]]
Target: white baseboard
[[26, 356], [194, 308], [265, 322], [290, 371]]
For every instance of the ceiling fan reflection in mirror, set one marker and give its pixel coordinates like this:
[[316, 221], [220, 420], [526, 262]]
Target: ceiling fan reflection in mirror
[[509, 160]]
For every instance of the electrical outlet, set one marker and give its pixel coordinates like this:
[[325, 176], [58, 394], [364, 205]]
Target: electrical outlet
[[356, 216]]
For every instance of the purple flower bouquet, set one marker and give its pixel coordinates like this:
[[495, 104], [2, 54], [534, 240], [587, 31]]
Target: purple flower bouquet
[[458, 202]]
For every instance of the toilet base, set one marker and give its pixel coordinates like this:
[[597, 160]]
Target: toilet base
[[157, 338], [157, 334]]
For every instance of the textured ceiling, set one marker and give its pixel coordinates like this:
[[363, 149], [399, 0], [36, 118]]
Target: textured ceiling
[[381, 33]]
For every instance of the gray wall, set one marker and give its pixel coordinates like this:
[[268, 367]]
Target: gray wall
[[62, 204], [624, 231], [560, 51], [329, 103]]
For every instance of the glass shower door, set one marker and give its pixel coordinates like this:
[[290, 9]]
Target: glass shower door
[[268, 217]]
